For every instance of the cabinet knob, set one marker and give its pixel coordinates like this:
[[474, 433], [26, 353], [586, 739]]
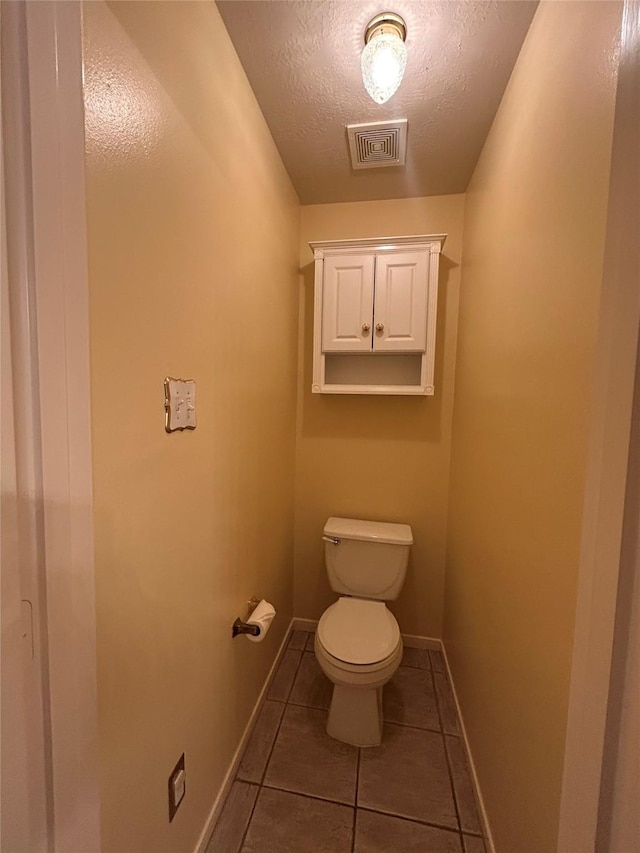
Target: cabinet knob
[[379, 327], [366, 327]]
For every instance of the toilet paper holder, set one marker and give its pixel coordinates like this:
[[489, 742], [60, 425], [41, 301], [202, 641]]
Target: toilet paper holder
[[240, 627]]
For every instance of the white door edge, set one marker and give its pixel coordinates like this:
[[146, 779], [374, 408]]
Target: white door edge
[[605, 491], [54, 37]]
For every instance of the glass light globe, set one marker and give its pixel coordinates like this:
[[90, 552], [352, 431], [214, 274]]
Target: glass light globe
[[383, 62]]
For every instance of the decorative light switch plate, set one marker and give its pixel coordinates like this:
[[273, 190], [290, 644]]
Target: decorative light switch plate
[[179, 404]]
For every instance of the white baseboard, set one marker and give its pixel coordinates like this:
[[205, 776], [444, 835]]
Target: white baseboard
[[216, 808], [484, 818], [413, 641]]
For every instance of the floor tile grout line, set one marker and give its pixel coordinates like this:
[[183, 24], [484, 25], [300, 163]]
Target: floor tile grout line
[[296, 648], [417, 820], [413, 728], [295, 675], [438, 655], [353, 829], [419, 668], [264, 772], [300, 704], [297, 704], [473, 791], [266, 765], [306, 705], [355, 803], [458, 732], [446, 754], [451, 782], [437, 698], [411, 819], [253, 808], [272, 787]]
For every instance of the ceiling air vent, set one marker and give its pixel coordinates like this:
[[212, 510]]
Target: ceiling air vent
[[383, 143]]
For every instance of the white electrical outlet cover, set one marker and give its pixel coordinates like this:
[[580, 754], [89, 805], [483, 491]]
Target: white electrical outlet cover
[[179, 404]]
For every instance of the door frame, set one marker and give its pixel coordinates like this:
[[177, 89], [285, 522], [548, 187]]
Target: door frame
[[53, 34], [608, 465]]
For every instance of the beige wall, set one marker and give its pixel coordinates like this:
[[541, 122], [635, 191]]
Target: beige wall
[[193, 244], [533, 261], [382, 458]]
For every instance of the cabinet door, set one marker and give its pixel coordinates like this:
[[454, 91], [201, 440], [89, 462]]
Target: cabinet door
[[347, 308], [400, 310]]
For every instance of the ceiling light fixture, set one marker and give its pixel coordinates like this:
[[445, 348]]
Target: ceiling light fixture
[[384, 57]]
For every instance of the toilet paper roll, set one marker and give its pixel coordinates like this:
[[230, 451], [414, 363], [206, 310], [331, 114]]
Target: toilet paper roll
[[262, 616]]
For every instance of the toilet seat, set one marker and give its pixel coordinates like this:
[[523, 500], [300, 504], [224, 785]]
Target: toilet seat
[[359, 632], [357, 673]]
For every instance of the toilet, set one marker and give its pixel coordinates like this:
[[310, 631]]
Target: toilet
[[358, 643]]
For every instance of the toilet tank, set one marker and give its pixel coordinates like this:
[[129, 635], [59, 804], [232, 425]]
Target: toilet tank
[[366, 558]]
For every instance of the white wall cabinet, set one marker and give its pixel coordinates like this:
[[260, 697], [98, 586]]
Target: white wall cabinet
[[375, 315]]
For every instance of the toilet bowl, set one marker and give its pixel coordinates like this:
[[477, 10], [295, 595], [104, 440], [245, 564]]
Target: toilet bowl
[[358, 644], [359, 648]]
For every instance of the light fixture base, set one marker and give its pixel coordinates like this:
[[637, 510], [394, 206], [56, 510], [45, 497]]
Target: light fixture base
[[385, 22]]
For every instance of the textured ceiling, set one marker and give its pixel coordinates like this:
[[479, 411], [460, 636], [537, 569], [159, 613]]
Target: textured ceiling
[[302, 59]]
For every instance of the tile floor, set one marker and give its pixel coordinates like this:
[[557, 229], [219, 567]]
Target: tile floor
[[299, 791]]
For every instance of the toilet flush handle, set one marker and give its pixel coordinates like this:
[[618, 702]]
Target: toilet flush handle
[[333, 539]]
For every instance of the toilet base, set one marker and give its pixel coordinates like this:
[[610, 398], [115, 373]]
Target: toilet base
[[355, 715]]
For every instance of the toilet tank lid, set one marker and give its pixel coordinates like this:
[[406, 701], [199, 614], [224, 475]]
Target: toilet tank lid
[[372, 531]]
